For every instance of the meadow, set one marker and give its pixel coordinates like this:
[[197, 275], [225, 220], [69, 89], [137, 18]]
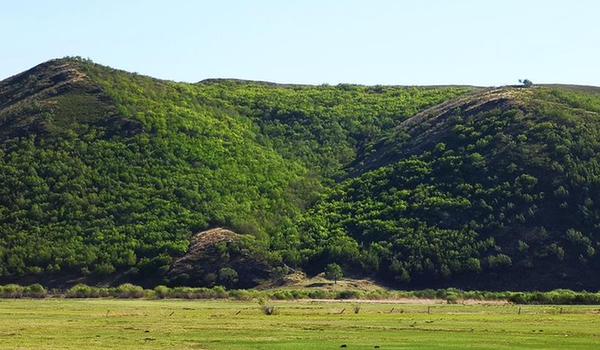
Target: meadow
[[57, 323]]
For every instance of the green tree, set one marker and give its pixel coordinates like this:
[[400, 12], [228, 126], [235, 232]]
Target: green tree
[[334, 272], [526, 82], [228, 277]]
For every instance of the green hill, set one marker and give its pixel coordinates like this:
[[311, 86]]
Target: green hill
[[105, 176], [498, 189]]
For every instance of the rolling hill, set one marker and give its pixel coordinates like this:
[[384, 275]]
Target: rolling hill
[[105, 173], [494, 190], [107, 176]]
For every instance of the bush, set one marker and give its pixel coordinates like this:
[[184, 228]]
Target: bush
[[452, 299], [451, 295], [282, 295], [162, 292], [426, 293], [82, 291], [499, 261], [35, 291], [318, 294], [11, 291], [104, 269], [180, 293], [299, 294], [228, 276], [348, 294], [242, 294], [128, 291], [219, 292]]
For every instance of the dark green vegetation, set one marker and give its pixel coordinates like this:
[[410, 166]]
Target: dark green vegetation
[[499, 190], [105, 175]]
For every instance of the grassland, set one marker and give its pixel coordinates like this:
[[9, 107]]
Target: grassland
[[177, 324]]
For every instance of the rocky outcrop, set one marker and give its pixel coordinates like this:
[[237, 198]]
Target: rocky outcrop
[[215, 249]]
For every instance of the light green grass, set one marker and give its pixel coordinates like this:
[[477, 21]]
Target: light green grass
[[171, 324]]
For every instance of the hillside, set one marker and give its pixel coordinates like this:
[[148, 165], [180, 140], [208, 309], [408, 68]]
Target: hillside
[[106, 175], [495, 190]]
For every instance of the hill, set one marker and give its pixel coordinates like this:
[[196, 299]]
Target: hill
[[109, 177], [106, 175], [494, 190]]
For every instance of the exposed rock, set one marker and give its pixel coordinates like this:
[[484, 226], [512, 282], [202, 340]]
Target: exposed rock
[[53, 98], [213, 250]]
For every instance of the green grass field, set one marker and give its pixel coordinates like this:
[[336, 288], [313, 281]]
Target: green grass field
[[174, 324]]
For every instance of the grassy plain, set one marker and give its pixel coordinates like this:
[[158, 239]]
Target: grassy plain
[[178, 324]]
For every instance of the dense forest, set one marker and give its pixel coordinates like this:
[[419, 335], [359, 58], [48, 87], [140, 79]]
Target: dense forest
[[107, 175], [506, 182]]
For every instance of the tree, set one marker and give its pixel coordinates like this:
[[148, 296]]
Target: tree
[[526, 82], [334, 272], [228, 276], [499, 261]]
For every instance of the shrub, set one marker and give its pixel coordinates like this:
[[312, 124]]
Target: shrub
[[499, 261], [82, 291], [348, 294], [299, 294], [11, 291], [426, 293], [452, 299], [204, 293], [102, 292], [35, 291], [228, 276], [162, 292], [318, 294], [242, 294], [104, 269], [181, 293], [219, 292], [282, 295], [128, 290]]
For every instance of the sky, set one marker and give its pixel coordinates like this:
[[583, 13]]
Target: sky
[[418, 42]]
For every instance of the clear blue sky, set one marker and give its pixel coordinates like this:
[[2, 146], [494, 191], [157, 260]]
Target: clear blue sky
[[323, 41]]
